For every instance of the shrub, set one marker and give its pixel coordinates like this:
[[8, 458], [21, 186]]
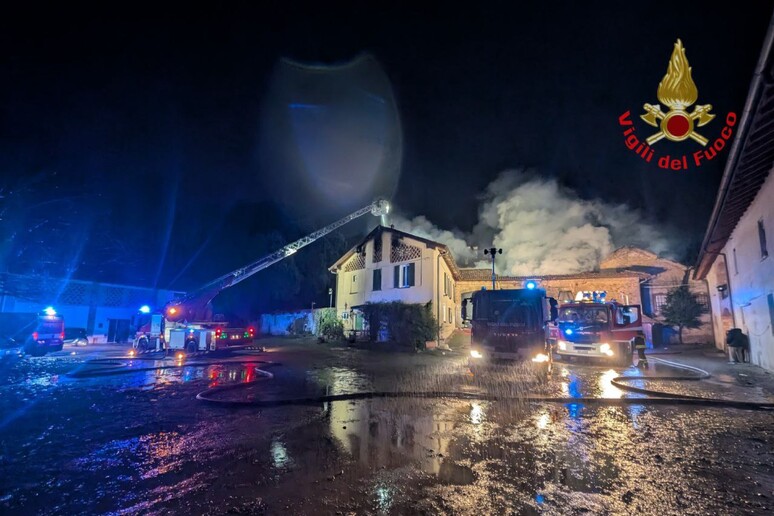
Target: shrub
[[406, 323], [329, 326]]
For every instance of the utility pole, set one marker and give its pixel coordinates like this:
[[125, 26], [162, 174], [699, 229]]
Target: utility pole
[[330, 297], [493, 251]]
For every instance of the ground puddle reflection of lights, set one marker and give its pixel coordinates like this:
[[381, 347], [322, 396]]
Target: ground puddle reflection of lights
[[476, 413], [279, 454]]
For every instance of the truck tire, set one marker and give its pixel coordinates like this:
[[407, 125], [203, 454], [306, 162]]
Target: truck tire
[[142, 345], [190, 347], [625, 354]]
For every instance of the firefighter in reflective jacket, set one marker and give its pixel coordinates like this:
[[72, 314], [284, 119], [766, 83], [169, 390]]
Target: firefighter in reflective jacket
[[639, 345]]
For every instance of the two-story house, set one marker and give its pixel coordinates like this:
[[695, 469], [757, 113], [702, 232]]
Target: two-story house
[[391, 265]]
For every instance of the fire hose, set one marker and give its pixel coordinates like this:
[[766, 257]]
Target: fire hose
[[659, 398], [121, 365]]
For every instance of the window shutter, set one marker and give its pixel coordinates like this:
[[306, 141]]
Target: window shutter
[[762, 239], [396, 276], [411, 274], [377, 279]]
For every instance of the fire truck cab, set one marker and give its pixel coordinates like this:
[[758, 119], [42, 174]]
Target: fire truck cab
[[598, 329]]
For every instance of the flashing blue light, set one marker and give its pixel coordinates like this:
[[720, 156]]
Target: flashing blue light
[[49, 310], [144, 309], [531, 285], [568, 331]]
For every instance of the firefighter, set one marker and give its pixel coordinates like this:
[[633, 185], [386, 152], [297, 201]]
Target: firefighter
[[639, 345]]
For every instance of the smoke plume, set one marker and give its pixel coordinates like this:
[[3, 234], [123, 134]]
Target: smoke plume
[[543, 228]]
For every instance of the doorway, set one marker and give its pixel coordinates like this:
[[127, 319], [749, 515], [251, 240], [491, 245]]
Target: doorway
[[118, 330]]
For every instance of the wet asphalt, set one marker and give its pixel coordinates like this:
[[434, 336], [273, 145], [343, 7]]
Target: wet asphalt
[[140, 441]]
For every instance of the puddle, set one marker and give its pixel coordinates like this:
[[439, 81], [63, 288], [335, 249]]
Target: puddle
[[451, 473]]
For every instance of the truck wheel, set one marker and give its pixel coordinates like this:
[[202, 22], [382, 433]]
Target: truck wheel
[[625, 354], [190, 347], [142, 345]]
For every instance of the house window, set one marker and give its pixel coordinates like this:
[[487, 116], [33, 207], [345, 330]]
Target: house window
[[702, 299], [770, 299], [762, 239], [736, 266], [659, 300], [445, 285], [404, 275], [450, 314], [377, 279], [353, 284], [443, 312]]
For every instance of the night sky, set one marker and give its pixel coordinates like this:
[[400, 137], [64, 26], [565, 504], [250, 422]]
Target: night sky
[[139, 129]]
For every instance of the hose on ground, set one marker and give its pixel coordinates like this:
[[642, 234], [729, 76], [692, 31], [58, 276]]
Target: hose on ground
[[700, 374], [122, 366], [660, 398]]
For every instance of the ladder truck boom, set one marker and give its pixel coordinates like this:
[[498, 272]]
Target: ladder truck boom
[[189, 306]]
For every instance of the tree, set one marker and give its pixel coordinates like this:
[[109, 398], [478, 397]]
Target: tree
[[682, 309]]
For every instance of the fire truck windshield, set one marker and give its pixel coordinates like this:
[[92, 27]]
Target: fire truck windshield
[[510, 311], [584, 315]]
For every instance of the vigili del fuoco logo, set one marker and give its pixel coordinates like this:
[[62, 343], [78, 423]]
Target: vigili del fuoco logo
[[677, 92]]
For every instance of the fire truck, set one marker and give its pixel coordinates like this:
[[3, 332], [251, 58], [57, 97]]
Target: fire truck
[[509, 324], [187, 323], [33, 333], [596, 328]]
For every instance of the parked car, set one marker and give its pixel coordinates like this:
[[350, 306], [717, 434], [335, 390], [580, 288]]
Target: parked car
[[76, 336], [9, 348]]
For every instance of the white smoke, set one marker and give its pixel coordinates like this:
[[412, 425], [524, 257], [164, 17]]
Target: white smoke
[[543, 228], [454, 240]]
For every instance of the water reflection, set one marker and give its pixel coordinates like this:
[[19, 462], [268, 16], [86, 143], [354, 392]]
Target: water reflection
[[476, 413], [605, 383], [543, 420], [384, 498], [339, 380], [379, 437], [279, 454]]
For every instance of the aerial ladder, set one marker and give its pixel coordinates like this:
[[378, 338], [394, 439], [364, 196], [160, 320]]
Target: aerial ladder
[[186, 322]]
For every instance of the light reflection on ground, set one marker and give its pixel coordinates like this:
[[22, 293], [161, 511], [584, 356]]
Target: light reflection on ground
[[141, 443]]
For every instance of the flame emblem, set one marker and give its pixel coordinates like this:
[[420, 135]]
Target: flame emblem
[[678, 92]]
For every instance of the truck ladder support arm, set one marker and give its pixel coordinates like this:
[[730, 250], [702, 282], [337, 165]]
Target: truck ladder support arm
[[205, 294]]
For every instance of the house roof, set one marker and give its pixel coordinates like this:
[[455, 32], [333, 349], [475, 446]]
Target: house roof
[[486, 275], [749, 161], [447, 254]]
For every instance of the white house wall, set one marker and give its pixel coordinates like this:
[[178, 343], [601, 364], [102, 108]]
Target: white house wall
[[751, 277], [423, 291]]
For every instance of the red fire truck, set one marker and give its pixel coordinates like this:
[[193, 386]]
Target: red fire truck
[[598, 329]]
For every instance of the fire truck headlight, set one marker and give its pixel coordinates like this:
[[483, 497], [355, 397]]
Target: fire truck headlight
[[562, 345], [605, 349], [540, 357], [476, 353]]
